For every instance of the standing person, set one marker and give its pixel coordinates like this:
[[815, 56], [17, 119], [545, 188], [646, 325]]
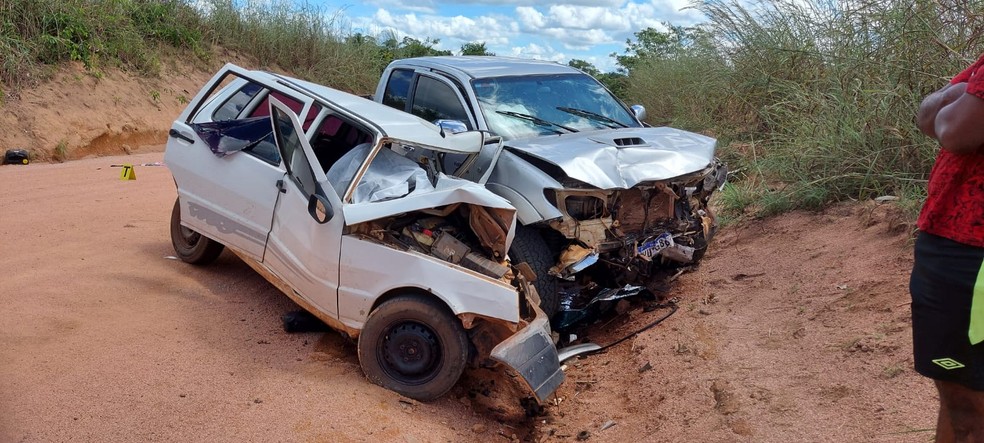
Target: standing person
[[947, 283]]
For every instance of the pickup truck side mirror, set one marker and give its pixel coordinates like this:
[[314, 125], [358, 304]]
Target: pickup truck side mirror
[[639, 111], [451, 126], [320, 208]]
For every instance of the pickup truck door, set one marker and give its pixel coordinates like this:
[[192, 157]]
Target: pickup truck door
[[228, 198], [303, 250]]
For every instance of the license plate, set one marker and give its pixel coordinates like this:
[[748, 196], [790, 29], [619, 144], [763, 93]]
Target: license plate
[[650, 248]]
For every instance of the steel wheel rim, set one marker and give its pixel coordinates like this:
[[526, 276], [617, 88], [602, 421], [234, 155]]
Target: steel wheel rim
[[410, 353]]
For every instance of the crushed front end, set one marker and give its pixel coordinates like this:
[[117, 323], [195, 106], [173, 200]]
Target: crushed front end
[[639, 235]]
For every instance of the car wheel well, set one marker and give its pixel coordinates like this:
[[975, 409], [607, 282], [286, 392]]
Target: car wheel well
[[409, 290]]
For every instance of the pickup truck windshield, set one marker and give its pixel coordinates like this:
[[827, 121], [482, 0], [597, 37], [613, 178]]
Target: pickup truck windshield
[[570, 101]]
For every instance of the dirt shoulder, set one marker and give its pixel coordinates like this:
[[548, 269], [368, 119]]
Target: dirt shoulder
[[796, 328]]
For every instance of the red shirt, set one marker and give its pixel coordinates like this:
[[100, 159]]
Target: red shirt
[[955, 205]]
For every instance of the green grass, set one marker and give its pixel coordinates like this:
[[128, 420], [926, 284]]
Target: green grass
[[827, 93], [60, 154], [134, 35]]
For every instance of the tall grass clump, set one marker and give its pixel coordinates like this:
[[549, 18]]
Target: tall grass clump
[[301, 38], [828, 90], [97, 33]]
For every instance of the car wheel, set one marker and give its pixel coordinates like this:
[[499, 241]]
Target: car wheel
[[413, 345], [530, 247], [189, 245]]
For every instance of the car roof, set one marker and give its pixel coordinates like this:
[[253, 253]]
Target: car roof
[[477, 66], [389, 121]]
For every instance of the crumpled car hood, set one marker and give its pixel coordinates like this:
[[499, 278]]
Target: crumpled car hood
[[622, 158]]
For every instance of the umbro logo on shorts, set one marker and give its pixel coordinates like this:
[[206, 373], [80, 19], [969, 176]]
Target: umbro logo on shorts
[[948, 363]]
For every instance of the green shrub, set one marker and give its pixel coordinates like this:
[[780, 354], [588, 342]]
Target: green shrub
[[826, 90]]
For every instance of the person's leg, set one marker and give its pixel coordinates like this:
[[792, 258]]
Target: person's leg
[[961, 417], [944, 428]]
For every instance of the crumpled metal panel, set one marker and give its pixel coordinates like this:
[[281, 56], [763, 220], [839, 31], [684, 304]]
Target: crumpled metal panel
[[594, 157], [532, 354]]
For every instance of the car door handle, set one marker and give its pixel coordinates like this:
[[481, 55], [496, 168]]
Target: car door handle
[[281, 187], [180, 135]]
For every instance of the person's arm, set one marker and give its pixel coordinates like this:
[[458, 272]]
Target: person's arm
[[931, 105], [959, 125]]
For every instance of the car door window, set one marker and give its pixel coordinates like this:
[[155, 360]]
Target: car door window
[[436, 100], [297, 163], [398, 89], [234, 105]]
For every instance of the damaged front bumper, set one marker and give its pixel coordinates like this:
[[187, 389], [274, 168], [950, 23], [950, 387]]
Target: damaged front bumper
[[531, 353]]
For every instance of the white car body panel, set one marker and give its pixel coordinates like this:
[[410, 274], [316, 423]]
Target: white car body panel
[[370, 269]]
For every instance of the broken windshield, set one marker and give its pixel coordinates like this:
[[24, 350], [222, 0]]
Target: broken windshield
[[551, 99]]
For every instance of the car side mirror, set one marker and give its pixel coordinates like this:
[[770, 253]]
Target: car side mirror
[[639, 111], [320, 209], [451, 126]]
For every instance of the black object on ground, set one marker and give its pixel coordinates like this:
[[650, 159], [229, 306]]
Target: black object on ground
[[303, 321], [16, 157]]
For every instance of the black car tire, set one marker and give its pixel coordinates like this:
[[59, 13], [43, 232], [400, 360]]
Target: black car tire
[[413, 345], [189, 245], [530, 247]]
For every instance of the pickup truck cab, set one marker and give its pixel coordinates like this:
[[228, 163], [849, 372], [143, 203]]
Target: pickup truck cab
[[607, 205]]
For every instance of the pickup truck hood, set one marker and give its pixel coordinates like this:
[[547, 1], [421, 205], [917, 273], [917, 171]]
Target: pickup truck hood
[[622, 158]]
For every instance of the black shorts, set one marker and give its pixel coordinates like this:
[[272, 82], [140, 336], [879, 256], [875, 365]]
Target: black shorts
[[947, 287]]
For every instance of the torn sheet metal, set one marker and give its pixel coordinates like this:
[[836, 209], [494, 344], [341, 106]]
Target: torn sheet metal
[[229, 136], [449, 190], [389, 176], [604, 160]]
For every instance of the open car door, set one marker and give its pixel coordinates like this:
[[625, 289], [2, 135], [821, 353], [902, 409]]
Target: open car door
[[304, 243], [227, 196]]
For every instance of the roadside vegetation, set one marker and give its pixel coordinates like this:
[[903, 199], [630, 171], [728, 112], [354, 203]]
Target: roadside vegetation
[[812, 101]]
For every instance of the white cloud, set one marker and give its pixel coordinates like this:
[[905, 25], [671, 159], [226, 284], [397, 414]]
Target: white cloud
[[578, 17], [551, 30], [458, 29], [422, 6]]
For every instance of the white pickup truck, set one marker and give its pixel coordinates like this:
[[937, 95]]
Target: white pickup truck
[[607, 205]]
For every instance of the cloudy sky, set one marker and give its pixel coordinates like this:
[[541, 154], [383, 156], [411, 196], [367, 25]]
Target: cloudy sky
[[556, 30]]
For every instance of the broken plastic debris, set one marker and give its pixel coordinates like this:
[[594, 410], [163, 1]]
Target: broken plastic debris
[[568, 315], [574, 259], [575, 350]]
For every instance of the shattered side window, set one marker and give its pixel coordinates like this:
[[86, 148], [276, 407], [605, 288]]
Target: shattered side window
[[249, 134], [235, 104]]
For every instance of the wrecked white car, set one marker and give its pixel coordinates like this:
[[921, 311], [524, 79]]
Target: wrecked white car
[[608, 206], [336, 200]]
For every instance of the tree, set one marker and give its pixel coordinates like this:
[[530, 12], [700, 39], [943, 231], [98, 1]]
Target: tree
[[584, 66], [652, 44], [411, 47], [475, 48]]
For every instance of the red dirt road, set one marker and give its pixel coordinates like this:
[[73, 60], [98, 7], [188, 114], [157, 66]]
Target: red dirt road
[[104, 338]]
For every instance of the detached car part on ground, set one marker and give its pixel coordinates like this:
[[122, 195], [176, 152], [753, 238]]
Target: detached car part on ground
[[608, 206], [336, 201]]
